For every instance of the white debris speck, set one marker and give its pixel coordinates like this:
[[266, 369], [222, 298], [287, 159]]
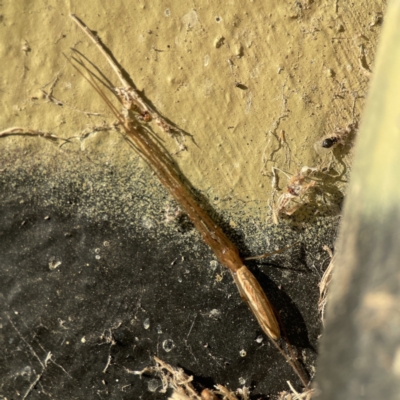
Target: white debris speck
[[259, 339], [146, 323], [83, 340], [168, 345], [153, 385], [148, 223], [53, 264], [215, 313], [25, 372], [242, 353], [213, 264]]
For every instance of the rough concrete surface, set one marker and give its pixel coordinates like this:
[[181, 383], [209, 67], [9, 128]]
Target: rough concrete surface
[[100, 271]]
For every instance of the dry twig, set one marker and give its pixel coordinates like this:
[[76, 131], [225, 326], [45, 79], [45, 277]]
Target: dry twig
[[324, 284], [20, 131], [177, 380], [294, 395]]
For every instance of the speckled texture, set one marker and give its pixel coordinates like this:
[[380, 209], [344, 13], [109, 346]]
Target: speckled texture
[[90, 257]]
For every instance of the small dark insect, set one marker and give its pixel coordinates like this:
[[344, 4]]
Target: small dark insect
[[340, 136], [329, 142]]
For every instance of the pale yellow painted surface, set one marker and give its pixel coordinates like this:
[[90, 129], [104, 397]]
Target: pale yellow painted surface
[[299, 60]]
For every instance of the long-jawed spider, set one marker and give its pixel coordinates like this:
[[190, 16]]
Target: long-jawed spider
[[163, 166]]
